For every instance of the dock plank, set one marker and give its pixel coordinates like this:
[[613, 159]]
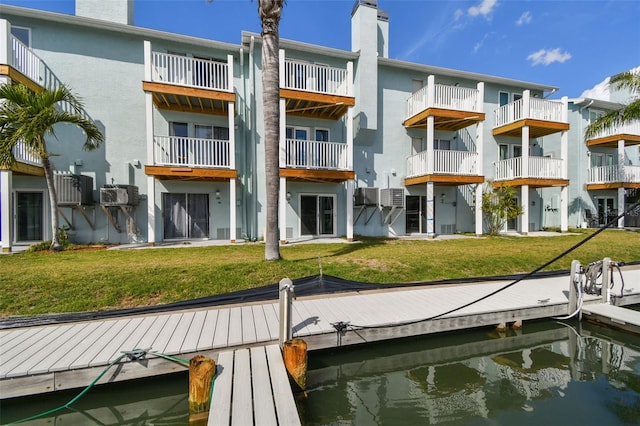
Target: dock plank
[[152, 334], [161, 342], [81, 343], [235, 327], [221, 336], [285, 404], [263, 403], [192, 336], [179, 333], [248, 326], [205, 341], [220, 412], [86, 359], [262, 329], [271, 316], [241, 398], [119, 343]]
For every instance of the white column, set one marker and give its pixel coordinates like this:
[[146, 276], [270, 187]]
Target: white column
[[5, 42], [524, 194], [525, 152], [526, 105], [232, 165], [230, 72], [621, 200], [350, 210], [430, 212], [621, 191], [282, 209], [478, 209], [6, 218], [151, 182], [564, 209], [232, 210], [350, 78], [431, 91], [283, 134]]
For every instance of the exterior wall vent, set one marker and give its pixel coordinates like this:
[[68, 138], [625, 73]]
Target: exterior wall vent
[[392, 197], [366, 197], [73, 190], [119, 195]]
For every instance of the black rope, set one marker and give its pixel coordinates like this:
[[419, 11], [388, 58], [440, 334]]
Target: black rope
[[538, 269]]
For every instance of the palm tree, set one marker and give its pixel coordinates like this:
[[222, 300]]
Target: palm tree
[[631, 112], [270, 12], [28, 117]]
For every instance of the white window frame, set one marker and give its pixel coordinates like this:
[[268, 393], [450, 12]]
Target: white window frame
[[27, 29], [335, 214], [322, 129]]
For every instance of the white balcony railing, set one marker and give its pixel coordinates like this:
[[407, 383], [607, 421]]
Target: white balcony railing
[[539, 168], [445, 162], [316, 78], [191, 72], [614, 174], [539, 109], [25, 61], [190, 152], [316, 155], [632, 128], [446, 97], [23, 154]]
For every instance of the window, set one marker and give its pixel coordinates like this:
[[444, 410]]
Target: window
[[418, 145], [179, 142], [443, 144], [322, 135], [506, 97], [23, 34], [601, 160], [594, 115], [510, 151], [416, 85]]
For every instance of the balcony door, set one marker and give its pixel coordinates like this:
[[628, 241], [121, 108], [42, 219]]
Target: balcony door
[[180, 133], [297, 152], [606, 209], [185, 216], [317, 215], [29, 218]]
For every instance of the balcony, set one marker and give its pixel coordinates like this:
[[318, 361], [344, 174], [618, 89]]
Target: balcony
[[613, 177], [543, 117], [315, 90], [307, 160], [452, 107], [629, 133], [191, 158], [27, 162], [445, 166], [188, 84], [23, 66], [542, 172]]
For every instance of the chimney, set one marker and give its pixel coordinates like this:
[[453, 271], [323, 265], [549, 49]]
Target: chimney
[[119, 11]]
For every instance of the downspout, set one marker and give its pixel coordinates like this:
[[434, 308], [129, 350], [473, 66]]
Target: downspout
[[243, 132], [550, 93]]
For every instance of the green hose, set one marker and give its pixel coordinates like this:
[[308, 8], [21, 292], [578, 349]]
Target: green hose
[[85, 390]]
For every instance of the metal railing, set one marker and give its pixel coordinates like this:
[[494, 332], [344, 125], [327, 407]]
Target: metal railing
[[191, 72], [632, 128], [446, 97], [539, 168], [191, 152], [316, 155], [614, 173], [539, 109], [445, 162], [316, 78], [24, 60], [23, 154]]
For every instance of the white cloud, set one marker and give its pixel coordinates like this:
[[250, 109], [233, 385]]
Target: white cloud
[[599, 91], [525, 18], [484, 8], [479, 44], [458, 14], [548, 56]]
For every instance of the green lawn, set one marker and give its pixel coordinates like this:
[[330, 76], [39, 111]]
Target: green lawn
[[71, 281]]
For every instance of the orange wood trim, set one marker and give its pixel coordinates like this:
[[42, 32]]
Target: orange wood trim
[[25, 169], [533, 182], [18, 77], [178, 108], [556, 125], [444, 179], [416, 120], [148, 86], [612, 185], [613, 140], [317, 97], [318, 175], [193, 173]]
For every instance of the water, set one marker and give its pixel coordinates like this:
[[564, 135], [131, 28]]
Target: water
[[546, 373]]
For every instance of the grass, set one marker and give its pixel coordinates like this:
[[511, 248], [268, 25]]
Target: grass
[[74, 281]]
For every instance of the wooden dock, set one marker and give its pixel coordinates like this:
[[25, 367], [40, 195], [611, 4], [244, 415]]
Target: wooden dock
[[47, 358], [613, 316], [253, 378]]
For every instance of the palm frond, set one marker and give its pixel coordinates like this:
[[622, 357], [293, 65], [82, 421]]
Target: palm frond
[[627, 80]]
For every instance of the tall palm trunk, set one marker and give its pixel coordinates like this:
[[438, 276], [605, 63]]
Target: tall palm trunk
[[270, 11], [53, 202]]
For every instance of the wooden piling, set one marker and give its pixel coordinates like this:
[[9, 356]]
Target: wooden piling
[[294, 353], [201, 373]]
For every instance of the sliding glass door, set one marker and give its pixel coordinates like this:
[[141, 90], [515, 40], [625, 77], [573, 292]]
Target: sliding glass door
[[317, 215], [185, 216]]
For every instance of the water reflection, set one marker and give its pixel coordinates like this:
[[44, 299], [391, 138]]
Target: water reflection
[[548, 373]]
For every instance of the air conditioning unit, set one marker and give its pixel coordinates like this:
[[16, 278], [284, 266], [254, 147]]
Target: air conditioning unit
[[73, 190], [119, 195], [366, 197], [392, 197]]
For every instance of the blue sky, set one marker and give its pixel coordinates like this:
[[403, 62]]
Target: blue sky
[[571, 44]]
